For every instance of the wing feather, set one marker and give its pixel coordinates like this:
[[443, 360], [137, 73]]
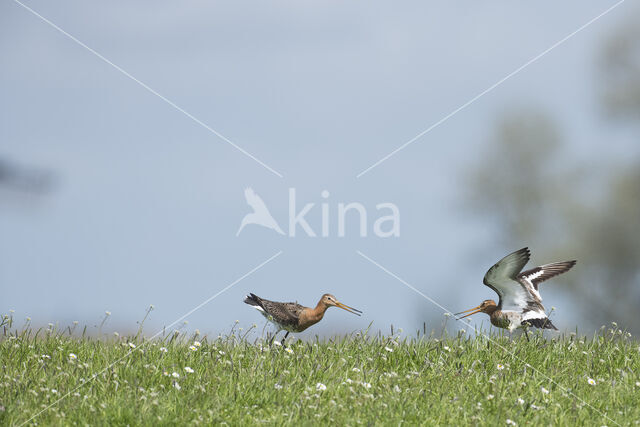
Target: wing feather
[[502, 279], [545, 272]]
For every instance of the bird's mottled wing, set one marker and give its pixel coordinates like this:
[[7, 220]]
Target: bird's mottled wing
[[284, 313]]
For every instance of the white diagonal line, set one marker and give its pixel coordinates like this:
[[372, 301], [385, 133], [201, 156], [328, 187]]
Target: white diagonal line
[[487, 90], [512, 354], [205, 302], [165, 99]]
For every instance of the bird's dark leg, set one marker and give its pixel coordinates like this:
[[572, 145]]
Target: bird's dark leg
[[285, 337], [526, 333]]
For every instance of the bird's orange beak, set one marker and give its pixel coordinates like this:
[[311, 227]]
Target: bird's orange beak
[[474, 310], [349, 309]]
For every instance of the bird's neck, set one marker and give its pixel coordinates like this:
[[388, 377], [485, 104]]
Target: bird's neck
[[491, 310], [316, 314]]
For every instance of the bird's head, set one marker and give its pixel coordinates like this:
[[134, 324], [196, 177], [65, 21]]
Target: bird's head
[[329, 300], [488, 306]]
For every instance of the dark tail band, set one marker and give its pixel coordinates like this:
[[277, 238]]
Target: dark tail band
[[540, 323], [253, 299]]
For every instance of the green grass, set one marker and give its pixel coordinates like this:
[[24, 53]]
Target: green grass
[[455, 380]]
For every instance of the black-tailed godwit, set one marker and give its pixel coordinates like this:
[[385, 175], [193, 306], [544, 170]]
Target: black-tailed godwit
[[293, 317], [520, 303]]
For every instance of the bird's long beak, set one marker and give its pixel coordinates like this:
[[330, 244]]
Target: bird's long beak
[[349, 309], [474, 310]]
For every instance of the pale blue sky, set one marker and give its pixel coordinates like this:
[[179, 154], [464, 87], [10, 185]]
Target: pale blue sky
[[147, 202]]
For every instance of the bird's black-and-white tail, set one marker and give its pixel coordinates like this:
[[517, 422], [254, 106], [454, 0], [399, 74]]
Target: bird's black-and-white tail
[[254, 301], [542, 323]]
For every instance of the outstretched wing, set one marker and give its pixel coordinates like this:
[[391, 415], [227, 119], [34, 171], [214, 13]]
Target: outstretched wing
[[254, 200], [502, 278], [545, 272]]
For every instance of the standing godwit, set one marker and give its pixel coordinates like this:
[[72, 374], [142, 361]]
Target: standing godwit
[[520, 304], [293, 317]]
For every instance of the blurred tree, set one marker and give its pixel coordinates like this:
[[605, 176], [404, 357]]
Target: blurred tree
[[17, 178], [532, 200], [619, 65]]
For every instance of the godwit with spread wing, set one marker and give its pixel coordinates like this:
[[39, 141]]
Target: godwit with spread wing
[[293, 317], [520, 304]]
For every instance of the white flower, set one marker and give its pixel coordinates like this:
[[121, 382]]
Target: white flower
[[446, 348], [163, 349], [197, 343], [355, 370], [397, 389], [511, 422], [520, 401], [500, 366], [72, 356], [489, 397], [591, 381], [132, 345], [108, 313], [366, 385], [321, 387], [193, 348], [544, 390], [277, 343], [277, 386], [188, 370], [176, 385], [54, 391], [288, 350], [221, 352], [348, 380], [390, 350], [637, 383], [175, 375]]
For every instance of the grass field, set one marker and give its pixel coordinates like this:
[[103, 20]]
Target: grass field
[[358, 379]]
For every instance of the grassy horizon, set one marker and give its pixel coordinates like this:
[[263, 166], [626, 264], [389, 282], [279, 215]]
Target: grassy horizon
[[354, 379]]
